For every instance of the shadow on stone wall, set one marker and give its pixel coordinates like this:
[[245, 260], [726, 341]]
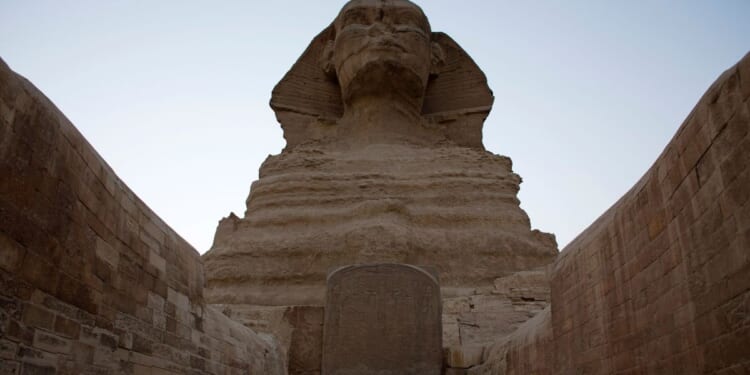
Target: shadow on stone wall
[[91, 280], [661, 282]]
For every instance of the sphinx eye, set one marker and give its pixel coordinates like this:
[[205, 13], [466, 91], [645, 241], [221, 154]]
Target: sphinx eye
[[355, 17], [410, 20], [407, 20]]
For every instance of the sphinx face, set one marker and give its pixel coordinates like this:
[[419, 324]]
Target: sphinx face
[[382, 47]]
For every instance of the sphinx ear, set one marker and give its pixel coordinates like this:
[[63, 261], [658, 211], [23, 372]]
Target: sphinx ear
[[326, 59], [437, 59]]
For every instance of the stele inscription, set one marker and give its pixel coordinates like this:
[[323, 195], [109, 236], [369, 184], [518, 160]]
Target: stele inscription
[[382, 319]]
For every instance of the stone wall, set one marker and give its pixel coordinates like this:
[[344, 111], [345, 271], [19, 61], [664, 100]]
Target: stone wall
[[481, 316], [91, 280], [661, 282]]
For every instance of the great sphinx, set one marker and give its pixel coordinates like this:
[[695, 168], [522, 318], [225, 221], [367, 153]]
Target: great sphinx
[[384, 163]]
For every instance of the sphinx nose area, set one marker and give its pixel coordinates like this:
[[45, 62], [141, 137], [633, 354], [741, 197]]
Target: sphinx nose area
[[379, 28]]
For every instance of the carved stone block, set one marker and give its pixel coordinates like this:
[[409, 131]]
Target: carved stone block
[[382, 319]]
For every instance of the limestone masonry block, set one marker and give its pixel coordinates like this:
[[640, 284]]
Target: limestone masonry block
[[463, 356], [666, 297], [87, 273]]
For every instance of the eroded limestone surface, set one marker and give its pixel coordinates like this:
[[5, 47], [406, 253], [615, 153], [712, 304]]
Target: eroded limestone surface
[[454, 208], [384, 163]]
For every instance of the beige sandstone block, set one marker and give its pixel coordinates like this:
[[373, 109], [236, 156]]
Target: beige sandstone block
[[456, 305], [451, 332], [158, 261], [11, 254], [106, 253], [463, 356], [8, 349], [180, 300]]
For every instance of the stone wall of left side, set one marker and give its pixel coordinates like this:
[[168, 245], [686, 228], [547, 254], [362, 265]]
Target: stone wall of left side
[[91, 280]]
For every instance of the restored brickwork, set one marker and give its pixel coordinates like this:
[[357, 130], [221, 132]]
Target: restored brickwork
[[660, 284], [91, 280]]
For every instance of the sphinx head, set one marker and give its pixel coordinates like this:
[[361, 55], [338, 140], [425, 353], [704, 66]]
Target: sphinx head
[[382, 48], [383, 72]]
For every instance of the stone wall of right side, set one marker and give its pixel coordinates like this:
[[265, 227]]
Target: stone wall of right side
[[661, 282]]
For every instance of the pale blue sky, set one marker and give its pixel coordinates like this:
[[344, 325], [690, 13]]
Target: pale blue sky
[[174, 94]]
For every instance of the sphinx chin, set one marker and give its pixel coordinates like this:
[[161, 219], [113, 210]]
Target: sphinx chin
[[387, 78]]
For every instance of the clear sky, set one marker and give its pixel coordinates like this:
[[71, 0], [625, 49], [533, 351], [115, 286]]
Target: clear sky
[[174, 94]]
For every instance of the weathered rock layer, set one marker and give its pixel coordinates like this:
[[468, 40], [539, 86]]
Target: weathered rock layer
[[453, 208], [384, 164]]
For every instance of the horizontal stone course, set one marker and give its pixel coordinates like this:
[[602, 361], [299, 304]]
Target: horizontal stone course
[[659, 283], [90, 277]]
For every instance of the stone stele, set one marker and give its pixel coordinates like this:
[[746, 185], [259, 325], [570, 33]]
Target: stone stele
[[384, 163], [382, 319]]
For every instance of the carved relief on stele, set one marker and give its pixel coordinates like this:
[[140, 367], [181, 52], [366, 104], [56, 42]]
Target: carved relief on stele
[[384, 163], [382, 319]]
